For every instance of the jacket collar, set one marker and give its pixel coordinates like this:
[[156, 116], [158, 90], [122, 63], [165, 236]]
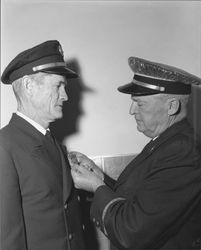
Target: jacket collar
[[23, 125], [181, 127]]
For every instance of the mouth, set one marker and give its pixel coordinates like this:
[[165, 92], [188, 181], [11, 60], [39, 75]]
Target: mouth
[[60, 106], [138, 121]]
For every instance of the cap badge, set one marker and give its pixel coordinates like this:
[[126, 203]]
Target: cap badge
[[61, 50]]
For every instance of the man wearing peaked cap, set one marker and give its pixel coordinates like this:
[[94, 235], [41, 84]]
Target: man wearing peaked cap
[[156, 201], [155, 78], [39, 204], [46, 57]]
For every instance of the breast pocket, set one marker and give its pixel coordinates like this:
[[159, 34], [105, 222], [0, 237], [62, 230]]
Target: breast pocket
[[39, 174]]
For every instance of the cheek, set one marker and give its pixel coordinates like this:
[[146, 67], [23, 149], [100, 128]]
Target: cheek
[[39, 100], [145, 113], [156, 117], [50, 97], [52, 101], [149, 117], [44, 101], [47, 100], [147, 120]]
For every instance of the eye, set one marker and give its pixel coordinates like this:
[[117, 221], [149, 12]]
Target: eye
[[57, 86]]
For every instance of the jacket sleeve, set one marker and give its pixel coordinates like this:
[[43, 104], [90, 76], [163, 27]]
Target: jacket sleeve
[[11, 215], [154, 211]]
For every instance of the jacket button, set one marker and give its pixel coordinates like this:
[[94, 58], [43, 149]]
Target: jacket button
[[70, 236], [94, 220], [97, 223], [65, 206]]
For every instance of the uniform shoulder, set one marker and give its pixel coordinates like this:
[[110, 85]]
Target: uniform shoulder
[[180, 148], [7, 136]]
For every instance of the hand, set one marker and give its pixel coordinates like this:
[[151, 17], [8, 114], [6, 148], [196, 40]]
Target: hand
[[76, 158], [85, 179]]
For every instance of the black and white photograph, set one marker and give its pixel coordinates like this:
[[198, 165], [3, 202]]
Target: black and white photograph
[[100, 125]]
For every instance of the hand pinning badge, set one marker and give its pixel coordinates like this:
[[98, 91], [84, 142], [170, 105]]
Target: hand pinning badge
[[76, 159]]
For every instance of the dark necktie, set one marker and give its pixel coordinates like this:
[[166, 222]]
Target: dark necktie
[[149, 147], [49, 136], [52, 142], [53, 149]]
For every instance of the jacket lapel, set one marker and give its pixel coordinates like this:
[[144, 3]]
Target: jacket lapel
[[37, 148], [147, 150]]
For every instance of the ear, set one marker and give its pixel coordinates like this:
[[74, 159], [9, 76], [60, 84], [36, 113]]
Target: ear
[[27, 84], [173, 106]]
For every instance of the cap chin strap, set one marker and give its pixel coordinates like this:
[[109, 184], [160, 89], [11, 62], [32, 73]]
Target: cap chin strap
[[48, 65], [149, 86], [161, 85]]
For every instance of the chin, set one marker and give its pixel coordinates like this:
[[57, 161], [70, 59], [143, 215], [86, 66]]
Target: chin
[[58, 115], [140, 129]]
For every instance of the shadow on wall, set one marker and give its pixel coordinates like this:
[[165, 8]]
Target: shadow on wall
[[67, 126], [72, 109], [194, 111]]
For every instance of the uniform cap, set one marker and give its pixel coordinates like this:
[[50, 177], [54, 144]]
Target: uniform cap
[[154, 78], [46, 57]]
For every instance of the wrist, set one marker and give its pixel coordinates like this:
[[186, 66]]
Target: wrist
[[97, 185]]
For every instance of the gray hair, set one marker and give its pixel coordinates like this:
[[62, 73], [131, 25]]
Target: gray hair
[[183, 100], [18, 90], [18, 87]]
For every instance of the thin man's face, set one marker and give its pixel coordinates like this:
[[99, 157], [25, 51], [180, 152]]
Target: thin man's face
[[49, 97]]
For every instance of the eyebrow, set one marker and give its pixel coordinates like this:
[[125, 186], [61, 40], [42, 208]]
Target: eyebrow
[[133, 98], [63, 82], [138, 100]]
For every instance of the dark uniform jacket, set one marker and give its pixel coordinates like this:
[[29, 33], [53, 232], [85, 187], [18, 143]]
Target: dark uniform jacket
[[155, 203], [39, 206]]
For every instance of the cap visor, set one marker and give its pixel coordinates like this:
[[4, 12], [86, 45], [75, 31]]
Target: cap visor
[[62, 71], [136, 90], [126, 89]]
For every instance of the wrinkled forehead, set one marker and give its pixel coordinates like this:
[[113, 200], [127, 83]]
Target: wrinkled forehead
[[149, 98], [143, 98], [55, 78]]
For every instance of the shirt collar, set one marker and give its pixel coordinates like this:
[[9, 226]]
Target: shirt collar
[[153, 139], [32, 122]]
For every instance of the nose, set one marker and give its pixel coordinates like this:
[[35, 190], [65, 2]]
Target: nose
[[63, 94], [133, 108]]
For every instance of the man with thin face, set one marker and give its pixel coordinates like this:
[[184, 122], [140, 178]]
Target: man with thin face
[[39, 204], [47, 92], [156, 201]]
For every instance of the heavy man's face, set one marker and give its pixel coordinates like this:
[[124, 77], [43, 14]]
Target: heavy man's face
[[48, 97], [151, 114]]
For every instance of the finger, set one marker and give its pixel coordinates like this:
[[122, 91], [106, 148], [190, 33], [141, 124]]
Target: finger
[[77, 154], [81, 157], [73, 158], [75, 169], [89, 168], [85, 170], [86, 166]]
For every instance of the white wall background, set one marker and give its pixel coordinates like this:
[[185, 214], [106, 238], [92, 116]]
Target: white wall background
[[101, 35]]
